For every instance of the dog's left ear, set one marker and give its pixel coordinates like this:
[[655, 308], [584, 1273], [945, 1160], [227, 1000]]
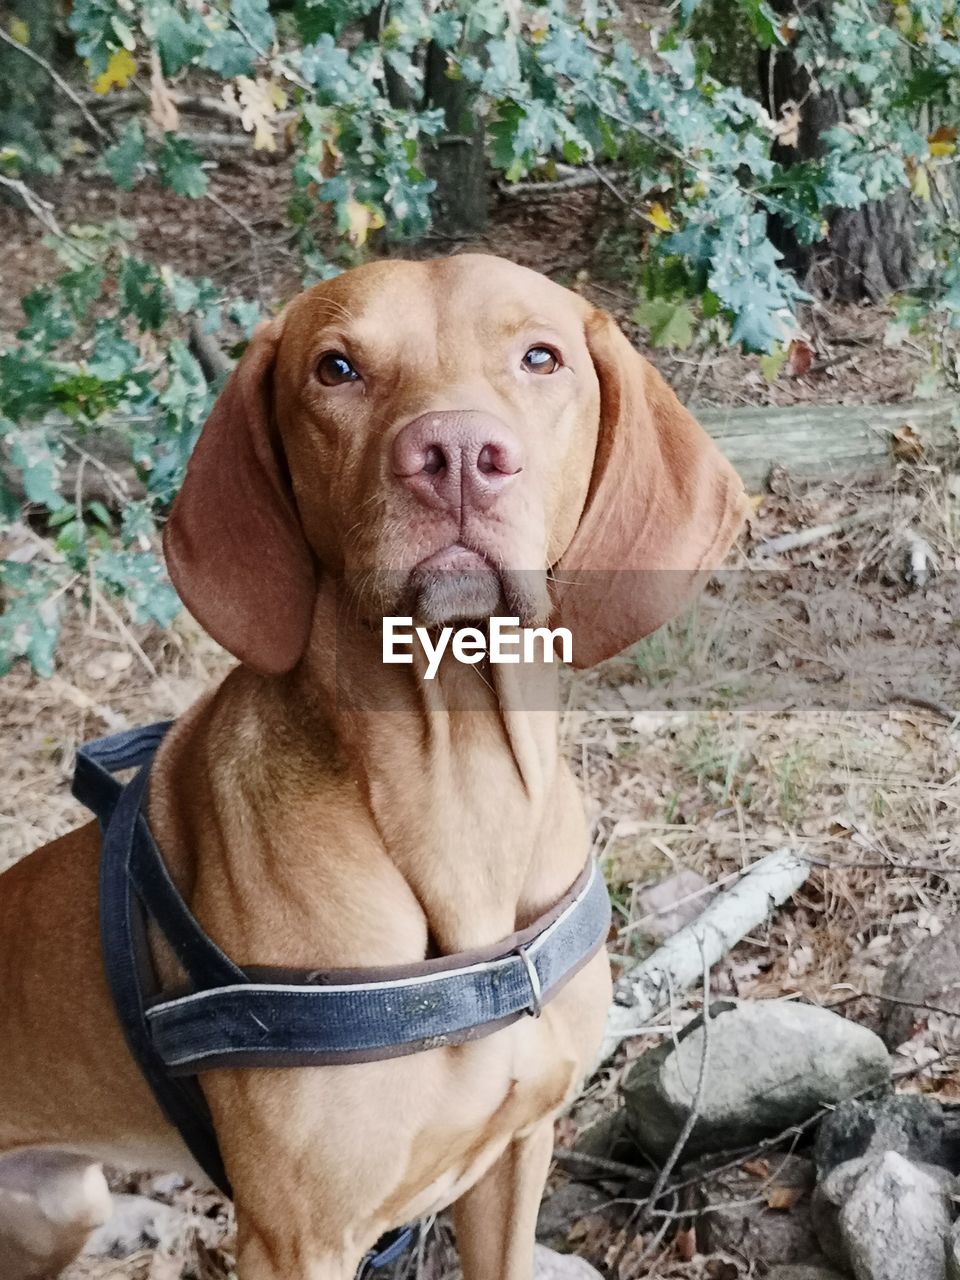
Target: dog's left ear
[[234, 545], [663, 508]]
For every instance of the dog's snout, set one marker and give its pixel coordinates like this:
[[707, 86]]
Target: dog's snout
[[457, 461]]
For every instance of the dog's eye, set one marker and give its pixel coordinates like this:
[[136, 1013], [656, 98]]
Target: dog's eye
[[333, 369], [541, 360]]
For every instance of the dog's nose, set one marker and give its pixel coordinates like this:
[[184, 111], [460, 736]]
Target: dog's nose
[[457, 461]]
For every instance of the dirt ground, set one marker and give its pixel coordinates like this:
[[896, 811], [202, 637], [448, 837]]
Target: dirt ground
[[812, 698]]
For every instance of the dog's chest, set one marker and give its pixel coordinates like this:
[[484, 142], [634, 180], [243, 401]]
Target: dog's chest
[[489, 1099]]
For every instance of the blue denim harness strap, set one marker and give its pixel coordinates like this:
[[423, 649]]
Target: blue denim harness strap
[[247, 1017]]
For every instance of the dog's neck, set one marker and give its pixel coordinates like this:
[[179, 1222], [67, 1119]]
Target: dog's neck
[[458, 770], [352, 780]]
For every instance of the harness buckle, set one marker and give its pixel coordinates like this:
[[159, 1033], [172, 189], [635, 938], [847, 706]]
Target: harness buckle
[[535, 1007]]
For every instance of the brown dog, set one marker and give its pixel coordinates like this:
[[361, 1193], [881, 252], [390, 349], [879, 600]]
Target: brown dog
[[405, 419]]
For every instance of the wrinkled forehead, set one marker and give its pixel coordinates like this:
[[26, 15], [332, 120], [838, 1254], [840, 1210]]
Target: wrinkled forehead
[[424, 309]]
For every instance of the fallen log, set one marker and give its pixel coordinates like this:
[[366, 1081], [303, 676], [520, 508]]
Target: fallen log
[[647, 988], [821, 442]]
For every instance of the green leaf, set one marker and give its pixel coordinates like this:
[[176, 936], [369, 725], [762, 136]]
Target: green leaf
[[36, 457], [246, 315], [124, 160], [100, 512], [179, 164], [670, 324], [142, 293], [179, 40], [139, 578], [48, 320], [771, 364], [253, 16], [229, 55]]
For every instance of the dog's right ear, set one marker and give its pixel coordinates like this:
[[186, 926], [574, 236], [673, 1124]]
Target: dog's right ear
[[234, 546]]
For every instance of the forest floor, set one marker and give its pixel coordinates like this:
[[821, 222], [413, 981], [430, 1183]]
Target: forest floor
[[811, 698]]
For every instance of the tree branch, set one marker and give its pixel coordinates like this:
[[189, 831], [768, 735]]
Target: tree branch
[[59, 81], [645, 990]]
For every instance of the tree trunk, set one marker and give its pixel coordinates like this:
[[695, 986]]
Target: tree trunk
[[457, 159], [869, 252], [26, 93]]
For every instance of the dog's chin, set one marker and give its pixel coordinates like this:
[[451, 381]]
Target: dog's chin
[[460, 585], [439, 597]]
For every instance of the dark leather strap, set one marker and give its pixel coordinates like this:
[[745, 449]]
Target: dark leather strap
[[129, 971], [231, 1016]]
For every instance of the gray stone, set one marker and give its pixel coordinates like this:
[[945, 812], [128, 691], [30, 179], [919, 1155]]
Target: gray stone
[[953, 1253], [809, 1271], [837, 1188], [565, 1206], [772, 1064], [930, 974], [909, 1124], [895, 1220], [548, 1265], [749, 1228]]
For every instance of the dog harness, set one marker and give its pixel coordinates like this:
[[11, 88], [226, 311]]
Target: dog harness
[[233, 1016]]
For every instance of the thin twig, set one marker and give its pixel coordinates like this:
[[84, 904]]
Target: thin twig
[[59, 81], [683, 1137], [236, 217], [928, 868], [941, 709], [605, 1165], [41, 209], [123, 629], [896, 1000], [113, 479]]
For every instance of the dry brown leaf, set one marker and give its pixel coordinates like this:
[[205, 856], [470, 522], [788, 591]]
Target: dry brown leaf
[[685, 1244], [783, 1198], [163, 109], [799, 357], [757, 1168], [256, 102], [717, 1269], [906, 444]]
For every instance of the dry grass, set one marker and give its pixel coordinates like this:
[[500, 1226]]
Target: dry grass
[[808, 701]]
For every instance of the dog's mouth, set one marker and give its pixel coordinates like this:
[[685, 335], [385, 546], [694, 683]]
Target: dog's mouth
[[459, 584]]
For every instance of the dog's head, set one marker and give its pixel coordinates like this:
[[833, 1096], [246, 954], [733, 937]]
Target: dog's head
[[451, 439]]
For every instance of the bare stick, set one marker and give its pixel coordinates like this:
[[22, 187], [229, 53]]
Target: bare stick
[[806, 537], [59, 81], [643, 992], [683, 1137]]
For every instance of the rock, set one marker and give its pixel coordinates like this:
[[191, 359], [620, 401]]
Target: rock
[[895, 1222], [137, 1223], [927, 973], [548, 1265], [909, 1124], [772, 1064], [750, 1228], [807, 1271], [565, 1206], [953, 1253], [837, 1188]]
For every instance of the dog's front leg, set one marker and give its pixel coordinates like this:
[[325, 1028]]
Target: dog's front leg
[[496, 1220], [283, 1253]]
